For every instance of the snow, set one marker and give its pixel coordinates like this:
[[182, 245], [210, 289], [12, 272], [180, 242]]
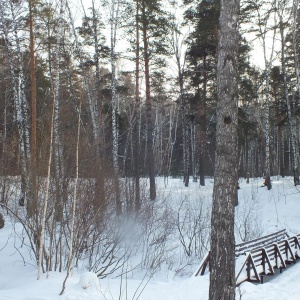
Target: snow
[[268, 211]]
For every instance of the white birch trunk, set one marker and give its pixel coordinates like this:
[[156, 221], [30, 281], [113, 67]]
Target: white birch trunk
[[177, 44], [46, 199], [114, 19], [16, 95], [19, 96], [93, 103], [74, 206], [56, 81], [172, 138], [288, 106], [114, 15], [268, 63], [22, 97], [295, 47]]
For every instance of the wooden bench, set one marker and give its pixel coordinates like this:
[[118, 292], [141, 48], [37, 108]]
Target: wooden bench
[[263, 256]]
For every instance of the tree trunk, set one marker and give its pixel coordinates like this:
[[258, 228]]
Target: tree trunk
[[202, 132], [186, 149], [20, 103], [32, 207], [113, 32], [150, 155], [137, 115], [222, 259], [263, 23], [288, 107], [17, 104], [57, 146], [46, 200], [193, 137], [295, 48], [74, 206]]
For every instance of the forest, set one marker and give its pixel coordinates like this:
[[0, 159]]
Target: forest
[[98, 99]]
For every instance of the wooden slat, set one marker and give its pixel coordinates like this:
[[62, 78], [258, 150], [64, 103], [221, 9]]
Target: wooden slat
[[265, 259], [278, 233], [259, 242]]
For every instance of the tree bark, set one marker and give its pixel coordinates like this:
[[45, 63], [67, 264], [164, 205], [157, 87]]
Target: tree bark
[[137, 115], [202, 131], [295, 48], [263, 24], [33, 205], [115, 149], [222, 259], [288, 107], [20, 100], [150, 155]]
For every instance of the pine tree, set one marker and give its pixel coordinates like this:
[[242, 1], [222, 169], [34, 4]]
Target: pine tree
[[154, 29], [202, 60]]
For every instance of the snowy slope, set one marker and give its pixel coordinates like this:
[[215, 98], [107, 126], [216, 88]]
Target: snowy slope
[[271, 211]]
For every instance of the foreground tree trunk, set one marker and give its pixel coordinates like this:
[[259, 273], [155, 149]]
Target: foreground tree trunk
[[222, 260]]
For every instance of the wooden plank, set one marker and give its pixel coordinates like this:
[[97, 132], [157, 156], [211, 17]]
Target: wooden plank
[[289, 250], [272, 235], [294, 242], [259, 242], [278, 255], [265, 259], [241, 269], [251, 265]]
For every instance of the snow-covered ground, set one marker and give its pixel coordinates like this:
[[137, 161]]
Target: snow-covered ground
[[267, 212]]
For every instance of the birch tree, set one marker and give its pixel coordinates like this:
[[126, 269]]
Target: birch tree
[[295, 10], [55, 76], [222, 255], [178, 48], [114, 23], [267, 22], [281, 11], [9, 23], [91, 31], [74, 207], [33, 206]]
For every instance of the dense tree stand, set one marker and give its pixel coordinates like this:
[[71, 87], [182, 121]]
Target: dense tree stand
[[222, 278]]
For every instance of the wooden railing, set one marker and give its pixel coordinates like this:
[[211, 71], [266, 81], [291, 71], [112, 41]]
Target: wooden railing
[[263, 256], [241, 249]]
